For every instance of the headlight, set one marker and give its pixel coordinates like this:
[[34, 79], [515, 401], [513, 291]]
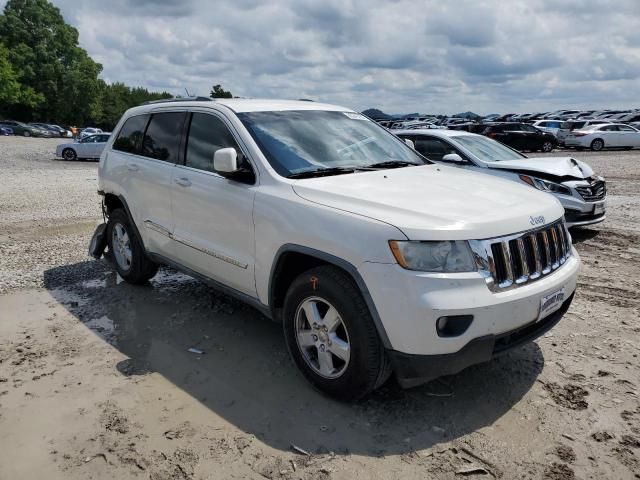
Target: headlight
[[545, 185], [446, 256]]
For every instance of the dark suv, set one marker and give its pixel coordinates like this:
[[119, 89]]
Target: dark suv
[[521, 136]]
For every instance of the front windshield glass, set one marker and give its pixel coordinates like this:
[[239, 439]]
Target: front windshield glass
[[486, 149], [307, 140]]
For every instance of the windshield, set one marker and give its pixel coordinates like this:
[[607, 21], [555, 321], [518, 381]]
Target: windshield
[[485, 149], [308, 140]]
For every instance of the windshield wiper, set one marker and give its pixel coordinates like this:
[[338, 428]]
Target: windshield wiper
[[322, 172], [393, 164]]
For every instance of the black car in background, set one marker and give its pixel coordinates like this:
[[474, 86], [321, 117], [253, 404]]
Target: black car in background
[[520, 136]]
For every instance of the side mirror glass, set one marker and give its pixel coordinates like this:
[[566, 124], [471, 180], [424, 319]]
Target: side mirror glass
[[453, 157], [410, 143], [225, 161]]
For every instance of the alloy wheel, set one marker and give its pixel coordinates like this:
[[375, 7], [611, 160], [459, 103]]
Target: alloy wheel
[[121, 246], [322, 337]]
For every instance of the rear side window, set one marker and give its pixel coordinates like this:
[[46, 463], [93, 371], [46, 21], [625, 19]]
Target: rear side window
[[162, 138], [130, 136], [207, 134]]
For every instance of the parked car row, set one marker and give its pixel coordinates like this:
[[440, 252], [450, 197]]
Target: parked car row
[[35, 129], [47, 130]]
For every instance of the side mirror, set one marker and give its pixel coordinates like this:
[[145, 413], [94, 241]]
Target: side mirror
[[453, 157], [225, 161], [410, 143]]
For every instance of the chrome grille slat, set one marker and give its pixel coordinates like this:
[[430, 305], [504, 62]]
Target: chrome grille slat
[[508, 265], [547, 252], [515, 260], [524, 266], [554, 246], [536, 256]]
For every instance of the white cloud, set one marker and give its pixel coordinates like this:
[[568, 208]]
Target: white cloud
[[426, 56]]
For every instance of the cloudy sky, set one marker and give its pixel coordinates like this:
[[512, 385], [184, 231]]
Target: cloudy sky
[[401, 56]]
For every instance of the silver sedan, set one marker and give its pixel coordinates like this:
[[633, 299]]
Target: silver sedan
[[597, 137], [88, 147]]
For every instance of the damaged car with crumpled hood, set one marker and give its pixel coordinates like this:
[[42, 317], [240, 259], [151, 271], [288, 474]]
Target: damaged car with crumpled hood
[[581, 192]]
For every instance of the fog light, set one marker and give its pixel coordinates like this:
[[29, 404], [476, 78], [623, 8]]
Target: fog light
[[453, 325]]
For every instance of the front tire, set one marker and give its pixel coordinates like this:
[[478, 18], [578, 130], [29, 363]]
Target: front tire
[[129, 257], [69, 154], [597, 145], [26, 133], [331, 335], [547, 146]]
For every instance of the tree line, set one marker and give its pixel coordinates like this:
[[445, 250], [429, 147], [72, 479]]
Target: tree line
[[46, 76]]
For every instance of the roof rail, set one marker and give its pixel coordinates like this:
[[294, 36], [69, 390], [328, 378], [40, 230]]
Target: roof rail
[[179, 99]]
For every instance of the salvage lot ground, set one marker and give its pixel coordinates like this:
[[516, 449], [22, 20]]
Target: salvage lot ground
[[96, 380]]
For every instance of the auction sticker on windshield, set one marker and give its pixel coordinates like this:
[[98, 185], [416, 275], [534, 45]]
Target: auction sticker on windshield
[[550, 303]]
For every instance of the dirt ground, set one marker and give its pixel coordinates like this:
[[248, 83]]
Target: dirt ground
[[96, 380]]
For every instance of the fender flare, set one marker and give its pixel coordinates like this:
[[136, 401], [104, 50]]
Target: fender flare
[[129, 216], [340, 263]]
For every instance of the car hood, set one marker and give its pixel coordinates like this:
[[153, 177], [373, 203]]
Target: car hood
[[435, 202], [557, 166]]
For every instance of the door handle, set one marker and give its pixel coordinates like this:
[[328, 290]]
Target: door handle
[[183, 182], [133, 167]]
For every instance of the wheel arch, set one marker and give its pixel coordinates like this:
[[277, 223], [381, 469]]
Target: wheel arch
[[112, 202], [291, 260]]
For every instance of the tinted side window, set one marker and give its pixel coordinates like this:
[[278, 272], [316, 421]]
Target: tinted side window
[[207, 133], [431, 147], [130, 136], [162, 138]]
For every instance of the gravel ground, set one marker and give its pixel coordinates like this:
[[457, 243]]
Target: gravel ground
[[47, 209], [96, 380]]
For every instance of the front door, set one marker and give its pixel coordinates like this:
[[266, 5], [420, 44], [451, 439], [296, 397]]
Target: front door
[[213, 216]]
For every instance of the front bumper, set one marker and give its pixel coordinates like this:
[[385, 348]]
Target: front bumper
[[580, 219], [413, 370]]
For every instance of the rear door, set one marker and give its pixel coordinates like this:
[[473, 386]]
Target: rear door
[[88, 147], [149, 147], [610, 135], [214, 231]]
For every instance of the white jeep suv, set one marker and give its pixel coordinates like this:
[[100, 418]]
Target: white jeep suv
[[375, 260]]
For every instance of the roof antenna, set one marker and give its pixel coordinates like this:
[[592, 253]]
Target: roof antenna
[[188, 94]]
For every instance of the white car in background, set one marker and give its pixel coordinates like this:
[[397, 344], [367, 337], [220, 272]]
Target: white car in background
[[89, 131], [550, 126], [597, 137], [580, 191], [579, 124], [88, 147]]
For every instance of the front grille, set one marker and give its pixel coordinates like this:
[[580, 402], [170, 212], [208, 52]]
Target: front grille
[[594, 192], [516, 260]]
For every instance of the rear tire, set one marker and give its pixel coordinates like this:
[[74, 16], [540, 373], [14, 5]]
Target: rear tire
[[597, 145], [360, 364], [127, 251]]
